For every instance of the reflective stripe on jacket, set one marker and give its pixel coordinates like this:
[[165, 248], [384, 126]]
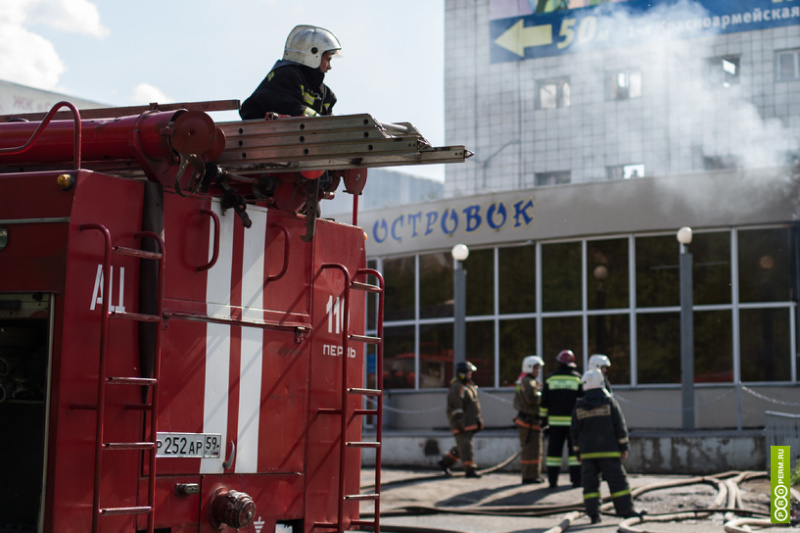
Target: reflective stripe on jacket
[[561, 389]]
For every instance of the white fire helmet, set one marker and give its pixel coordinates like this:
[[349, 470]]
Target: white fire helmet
[[598, 361], [593, 379], [531, 361], [306, 44]]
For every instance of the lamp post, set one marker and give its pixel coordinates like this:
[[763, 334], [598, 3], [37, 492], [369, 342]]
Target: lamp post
[[460, 252], [687, 329], [600, 274]]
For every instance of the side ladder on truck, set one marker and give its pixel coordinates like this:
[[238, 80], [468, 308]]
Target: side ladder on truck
[[376, 394], [147, 445]]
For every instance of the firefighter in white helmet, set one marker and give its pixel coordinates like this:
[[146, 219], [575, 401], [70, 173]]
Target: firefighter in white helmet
[[527, 400], [295, 85], [600, 441], [602, 363]]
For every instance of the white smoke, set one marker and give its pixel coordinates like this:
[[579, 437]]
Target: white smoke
[[708, 123]]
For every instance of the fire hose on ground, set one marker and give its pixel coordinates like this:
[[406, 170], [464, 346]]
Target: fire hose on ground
[[728, 501]]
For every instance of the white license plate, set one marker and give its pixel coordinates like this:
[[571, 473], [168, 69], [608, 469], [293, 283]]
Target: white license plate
[[202, 445]]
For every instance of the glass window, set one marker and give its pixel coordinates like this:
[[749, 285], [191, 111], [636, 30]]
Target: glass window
[[517, 279], [713, 349], [607, 274], [610, 335], [398, 357], [517, 339], [624, 84], [480, 351], [436, 355], [765, 259], [787, 65], [659, 348], [720, 162], [399, 278], [625, 172], [722, 72], [561, 333], [551, 94], [765, 347], [657, 271], [544, 179], [436, 285], [711, 268], [480, 282], [561, 276]]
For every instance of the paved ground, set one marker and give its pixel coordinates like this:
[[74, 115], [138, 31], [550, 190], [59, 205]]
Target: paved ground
[[498, 503]]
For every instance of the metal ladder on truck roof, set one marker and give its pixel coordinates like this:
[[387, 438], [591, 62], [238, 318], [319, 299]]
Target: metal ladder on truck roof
[[375, 393], [103, 379]]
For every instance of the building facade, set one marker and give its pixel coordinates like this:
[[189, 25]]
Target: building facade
[[599, 129]]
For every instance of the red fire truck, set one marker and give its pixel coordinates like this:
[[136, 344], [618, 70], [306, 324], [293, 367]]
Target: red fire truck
[[182, 337]]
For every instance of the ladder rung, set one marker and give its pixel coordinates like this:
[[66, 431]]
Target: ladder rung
[[134, 252], [365, 392], [365, 412], [131, 381], [364, 338], [126, 510], [329, 411], [371, 496], [365, 287], [366, 523], [138, 406], [363, 444], [139, 317], [129, 445]]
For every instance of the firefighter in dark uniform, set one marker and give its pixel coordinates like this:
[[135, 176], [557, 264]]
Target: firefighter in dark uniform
[[561, 389], [464, 414], [600, 439], [295, 85], [527, 401]]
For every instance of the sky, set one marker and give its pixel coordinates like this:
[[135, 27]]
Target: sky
[[123, 52]]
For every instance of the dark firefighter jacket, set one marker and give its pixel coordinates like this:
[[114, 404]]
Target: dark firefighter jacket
[[561, 389], [290, 89], [598, 426], [527, 399], [463, 407]]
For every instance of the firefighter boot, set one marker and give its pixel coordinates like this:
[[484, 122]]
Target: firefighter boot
[[447, 461], [471, 472], [623, 505], [552, 475], [575, 476]]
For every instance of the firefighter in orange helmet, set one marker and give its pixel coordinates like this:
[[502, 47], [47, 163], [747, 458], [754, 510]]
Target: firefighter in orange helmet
[[295, 84], [464, 414]]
